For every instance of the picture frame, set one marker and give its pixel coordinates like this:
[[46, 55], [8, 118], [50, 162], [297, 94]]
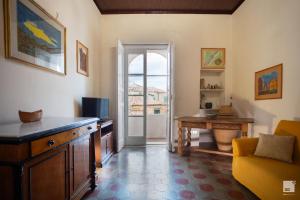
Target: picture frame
[[82, 58], [33, 36], [213, 58], [268, 83]]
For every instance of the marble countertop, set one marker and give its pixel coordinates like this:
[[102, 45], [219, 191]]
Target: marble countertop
[[20, 132]]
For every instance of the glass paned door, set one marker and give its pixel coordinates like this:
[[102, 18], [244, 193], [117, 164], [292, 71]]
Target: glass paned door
[[135, 87], [147, 88], [157, 77]]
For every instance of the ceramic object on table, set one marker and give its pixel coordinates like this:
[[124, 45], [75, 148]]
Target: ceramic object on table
[[27, 117], [208, 105]]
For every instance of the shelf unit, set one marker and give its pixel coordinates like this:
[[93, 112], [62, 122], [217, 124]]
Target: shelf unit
[[217, 95]]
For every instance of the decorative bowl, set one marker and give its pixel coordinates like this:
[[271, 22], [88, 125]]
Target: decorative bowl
[[27, 117]]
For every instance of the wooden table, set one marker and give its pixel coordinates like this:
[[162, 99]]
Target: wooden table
[[225, 123]]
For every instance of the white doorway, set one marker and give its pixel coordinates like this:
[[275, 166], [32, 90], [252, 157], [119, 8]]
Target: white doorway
[[147, 94]]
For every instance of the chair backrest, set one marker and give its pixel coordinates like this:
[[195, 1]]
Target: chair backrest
[[286, 127]]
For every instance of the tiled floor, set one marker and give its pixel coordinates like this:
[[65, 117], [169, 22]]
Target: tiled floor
[[139, 173]]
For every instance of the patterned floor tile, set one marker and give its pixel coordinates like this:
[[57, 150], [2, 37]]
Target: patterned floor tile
[[152, 173]]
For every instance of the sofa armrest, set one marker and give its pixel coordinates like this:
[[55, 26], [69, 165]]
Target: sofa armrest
[[244, 146]]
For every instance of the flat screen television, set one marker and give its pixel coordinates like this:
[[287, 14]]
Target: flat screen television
[[95, 107]]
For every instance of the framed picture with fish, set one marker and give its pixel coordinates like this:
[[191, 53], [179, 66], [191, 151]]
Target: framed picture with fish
[[268, 83], [33, 36], [213, 58], [82, 57]]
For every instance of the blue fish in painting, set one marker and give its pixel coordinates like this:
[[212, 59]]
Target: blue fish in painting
[[36, 37]]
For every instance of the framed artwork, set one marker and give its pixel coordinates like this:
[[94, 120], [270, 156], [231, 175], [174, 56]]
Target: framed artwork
[[82, 57], [268, 83], [213, 58], [33, 36]]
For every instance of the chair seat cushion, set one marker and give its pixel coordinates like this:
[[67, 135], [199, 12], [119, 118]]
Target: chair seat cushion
[[265, 176]]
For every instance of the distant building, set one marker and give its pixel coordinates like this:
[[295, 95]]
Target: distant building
[[157, 100]]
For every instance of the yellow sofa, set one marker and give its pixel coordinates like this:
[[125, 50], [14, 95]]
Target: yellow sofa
[[263, 176]]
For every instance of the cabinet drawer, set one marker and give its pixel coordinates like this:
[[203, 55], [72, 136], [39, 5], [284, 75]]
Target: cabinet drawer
[[44, 144]]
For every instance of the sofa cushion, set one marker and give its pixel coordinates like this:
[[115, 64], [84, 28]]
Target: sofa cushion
[[276, 147], [291, 128]]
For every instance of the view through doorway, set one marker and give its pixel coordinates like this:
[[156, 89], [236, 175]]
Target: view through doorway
[[147, 84]]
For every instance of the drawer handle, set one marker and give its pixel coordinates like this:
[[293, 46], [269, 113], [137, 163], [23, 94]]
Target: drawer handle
[[51, 143], [89, 128]]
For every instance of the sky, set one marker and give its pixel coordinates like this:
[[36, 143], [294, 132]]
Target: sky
[[156, 65]]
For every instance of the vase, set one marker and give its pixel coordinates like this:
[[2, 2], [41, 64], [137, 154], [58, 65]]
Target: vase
[[224, 139]]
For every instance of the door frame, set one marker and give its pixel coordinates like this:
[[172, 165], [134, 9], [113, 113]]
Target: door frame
[[142, 49]]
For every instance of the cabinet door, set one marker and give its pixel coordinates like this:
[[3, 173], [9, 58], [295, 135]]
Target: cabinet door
[[97, 144], [103, 147], [109, 143], [80, 163], [46, 177]]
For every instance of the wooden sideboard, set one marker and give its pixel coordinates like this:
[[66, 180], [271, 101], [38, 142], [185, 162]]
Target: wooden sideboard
[[226, 123], [51, 159]]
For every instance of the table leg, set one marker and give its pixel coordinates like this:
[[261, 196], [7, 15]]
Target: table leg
[[180, 139], [189, 139], [245, 130]]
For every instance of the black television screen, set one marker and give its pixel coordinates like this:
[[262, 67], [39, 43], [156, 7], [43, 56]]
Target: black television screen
[[95, 107]]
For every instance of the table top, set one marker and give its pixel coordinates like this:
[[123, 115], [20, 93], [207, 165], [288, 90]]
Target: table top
[[225, 120], [21, 132]]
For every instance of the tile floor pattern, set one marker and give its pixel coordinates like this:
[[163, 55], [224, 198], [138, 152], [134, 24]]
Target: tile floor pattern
[[138, 173]]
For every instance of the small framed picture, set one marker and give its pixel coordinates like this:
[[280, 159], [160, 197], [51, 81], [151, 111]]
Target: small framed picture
[[268, 83], [213, 58], [82, 57]]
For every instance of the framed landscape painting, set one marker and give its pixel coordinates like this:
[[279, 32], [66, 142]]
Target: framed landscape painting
[[212, 58], [268, 83], [82, 57], [33, 36]]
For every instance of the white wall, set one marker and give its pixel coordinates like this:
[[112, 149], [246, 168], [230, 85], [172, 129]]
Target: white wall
[[266, 33], [28, 88], [189, 33]]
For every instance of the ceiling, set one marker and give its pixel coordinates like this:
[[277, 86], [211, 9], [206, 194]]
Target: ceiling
[[168, 6]]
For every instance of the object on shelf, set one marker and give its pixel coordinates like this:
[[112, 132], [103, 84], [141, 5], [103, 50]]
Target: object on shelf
[[210, 86], [27, 117], [202, 96], [224, 139], [216, 86], [208, 105], [202, 83]]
